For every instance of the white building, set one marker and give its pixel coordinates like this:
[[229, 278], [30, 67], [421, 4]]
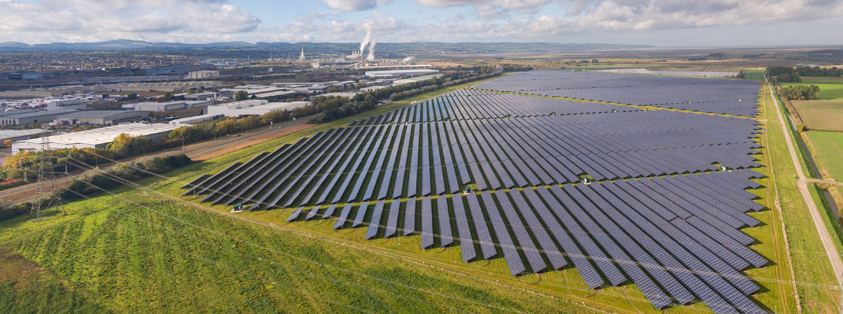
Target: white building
[[66, 104], [394, 73], [169, 106], [194, 119], [250, 89], [252, 107], [204, 74], [96, 138]]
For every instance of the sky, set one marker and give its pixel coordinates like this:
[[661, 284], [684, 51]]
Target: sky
[[664, 23]]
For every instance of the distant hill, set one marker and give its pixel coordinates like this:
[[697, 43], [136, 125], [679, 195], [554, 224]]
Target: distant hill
[[455, 48]]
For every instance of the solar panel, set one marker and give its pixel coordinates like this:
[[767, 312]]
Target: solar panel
[[375, 223]]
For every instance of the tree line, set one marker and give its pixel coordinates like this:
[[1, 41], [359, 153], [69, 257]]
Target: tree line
[[805, 71], [801, 92]]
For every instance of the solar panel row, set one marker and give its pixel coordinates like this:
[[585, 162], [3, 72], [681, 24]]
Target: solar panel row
[[618, 226]]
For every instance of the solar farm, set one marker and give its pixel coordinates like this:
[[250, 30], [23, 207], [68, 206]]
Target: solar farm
[[732, 97], [655, 198]]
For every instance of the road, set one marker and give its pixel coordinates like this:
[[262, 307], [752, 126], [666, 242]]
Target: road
[[190, 151], [802, 184]]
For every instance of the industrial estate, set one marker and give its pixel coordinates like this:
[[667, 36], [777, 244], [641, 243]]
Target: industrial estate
[[538, 178]]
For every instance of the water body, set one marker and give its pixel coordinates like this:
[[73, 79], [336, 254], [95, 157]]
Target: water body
[[682, 73]]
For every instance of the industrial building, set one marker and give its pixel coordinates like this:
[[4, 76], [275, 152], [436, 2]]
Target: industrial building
[[252, 107], [414, 79], [96, 138], [198, 96], [396, 73], [252, 90], [33, 117], [16, 135], [103, 117], [194, 119], [204, 74], [67, 104], [180, 69], [168, 106]]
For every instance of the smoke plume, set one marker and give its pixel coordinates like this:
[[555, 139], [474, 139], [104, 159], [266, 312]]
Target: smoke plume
[[371, 56], [408, 59], [365, 41]]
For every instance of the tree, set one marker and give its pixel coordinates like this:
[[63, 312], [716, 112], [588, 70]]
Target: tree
[[360, 85], [800, 92], [224, 127], [241, 95], [168, 96], [132, 96], [595, 61], [7, 143], [121, 144]]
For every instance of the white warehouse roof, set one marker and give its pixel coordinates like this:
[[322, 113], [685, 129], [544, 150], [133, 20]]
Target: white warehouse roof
[[96, 138], [252, 107]]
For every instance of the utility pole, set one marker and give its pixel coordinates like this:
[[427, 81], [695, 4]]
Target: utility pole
[[44, 197]]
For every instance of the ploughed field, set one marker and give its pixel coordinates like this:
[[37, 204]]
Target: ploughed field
[[654, 198]]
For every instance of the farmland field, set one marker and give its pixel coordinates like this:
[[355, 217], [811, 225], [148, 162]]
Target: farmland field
[[821, 114], [828, 149], [830, 87]]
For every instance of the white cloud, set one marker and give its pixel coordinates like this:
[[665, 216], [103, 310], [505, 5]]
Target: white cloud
[[355, 5], [72, 20]]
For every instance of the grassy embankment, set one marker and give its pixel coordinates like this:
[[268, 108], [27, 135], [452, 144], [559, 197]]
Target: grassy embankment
[[812, 272]]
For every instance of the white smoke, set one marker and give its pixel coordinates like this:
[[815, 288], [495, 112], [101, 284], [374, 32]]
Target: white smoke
[[371, 56], [365, 41], [408, 59], [315, 65]]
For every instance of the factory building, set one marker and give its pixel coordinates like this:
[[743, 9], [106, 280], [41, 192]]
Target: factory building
[[104, 117], [168, 106], [396, 73], [96, 138], [194, 119], [33, 117], [414, 79], [67, 104], [252, 107], [16, 135], [204, 74]]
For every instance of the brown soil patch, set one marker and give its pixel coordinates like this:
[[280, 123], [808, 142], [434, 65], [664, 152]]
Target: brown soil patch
[[251, 142], [16, 268]]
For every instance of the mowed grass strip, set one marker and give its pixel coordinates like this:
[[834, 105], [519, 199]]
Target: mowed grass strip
[[826, 115]]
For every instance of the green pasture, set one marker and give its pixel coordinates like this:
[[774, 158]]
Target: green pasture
[[830, 88]]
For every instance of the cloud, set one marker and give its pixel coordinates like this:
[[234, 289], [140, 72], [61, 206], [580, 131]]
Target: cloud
[[580, 16], [355, 5], [66, 20]]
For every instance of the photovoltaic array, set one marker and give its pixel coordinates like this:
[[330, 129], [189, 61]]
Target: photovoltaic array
[[723, 96], [662, 215]]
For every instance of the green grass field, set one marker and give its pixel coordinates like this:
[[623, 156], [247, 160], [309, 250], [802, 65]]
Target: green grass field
[[829, 149], [828, 153], [821, 114], [830, 88]]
